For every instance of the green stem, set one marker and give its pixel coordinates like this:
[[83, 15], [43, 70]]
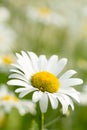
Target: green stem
[[53, 121], [42, 121]]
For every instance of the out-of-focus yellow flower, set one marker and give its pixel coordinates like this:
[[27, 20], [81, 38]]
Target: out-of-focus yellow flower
[[46, 15], [6, 59], [8, 100]]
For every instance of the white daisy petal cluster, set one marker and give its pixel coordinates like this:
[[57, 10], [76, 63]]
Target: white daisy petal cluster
[[46, 15], [43, 77], [8, 100]]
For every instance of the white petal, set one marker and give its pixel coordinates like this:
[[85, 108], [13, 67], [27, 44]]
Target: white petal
[[16, 71], [53, 100], [42, 63], [61, 65], [55, 66], [23, 93], [27, 68], [36, 96], [70, 82], [25, 63], [52, 64], [71, 92], [34, 60], [52, 59], [64, 103], [43, 102], [18, 90], [17, 83], [18, 56], [18, 76], [71, 104], [17, 66], [68, 74]]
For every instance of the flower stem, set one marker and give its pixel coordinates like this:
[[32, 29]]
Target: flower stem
[[42, 121], [53, 121]]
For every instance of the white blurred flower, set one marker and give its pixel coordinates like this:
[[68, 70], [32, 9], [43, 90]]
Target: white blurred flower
[[7, 37], [46, 15], [5, 60], [41, 76], [8, 100], [83, 96], [83, 23], [84, 11], [4, 14]]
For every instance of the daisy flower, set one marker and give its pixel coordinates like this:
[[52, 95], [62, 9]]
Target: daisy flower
[[42, 77], [4, 14], [46, 15], [83, 23], [7, 37], [83, 96], [84, 11], [8, 100], [5, 60]]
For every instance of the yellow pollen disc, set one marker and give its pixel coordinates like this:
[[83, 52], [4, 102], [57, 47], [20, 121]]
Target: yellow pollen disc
[[7, 59], [44, 11], [8, 98], [45, 81]]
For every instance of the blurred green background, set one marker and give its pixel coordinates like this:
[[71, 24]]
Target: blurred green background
[[69, 40]]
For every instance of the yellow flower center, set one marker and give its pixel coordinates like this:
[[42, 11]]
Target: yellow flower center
[[44, 11], [45, 81], [9, 97], [7, 59]]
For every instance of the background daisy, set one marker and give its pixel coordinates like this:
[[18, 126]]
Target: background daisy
[[83, 96], [46, 15], [6, 59], [7, 38], [8, 101]]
